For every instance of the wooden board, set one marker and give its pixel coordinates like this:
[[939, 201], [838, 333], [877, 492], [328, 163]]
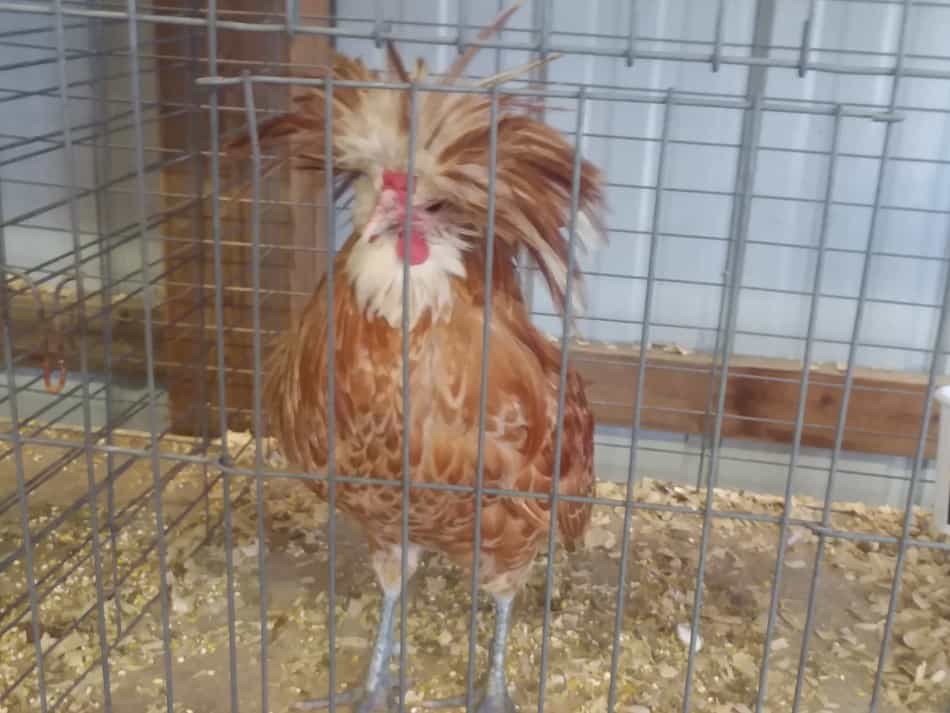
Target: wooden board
[[884, 408]]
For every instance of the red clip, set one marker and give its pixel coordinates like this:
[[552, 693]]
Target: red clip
[[47, 371]]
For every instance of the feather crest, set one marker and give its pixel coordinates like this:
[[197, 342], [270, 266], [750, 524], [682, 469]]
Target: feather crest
[[533, 181]]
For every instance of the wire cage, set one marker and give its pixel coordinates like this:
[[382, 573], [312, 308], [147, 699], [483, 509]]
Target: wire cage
[[764, 332]]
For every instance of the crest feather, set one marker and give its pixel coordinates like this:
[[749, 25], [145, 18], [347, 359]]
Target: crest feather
[[534, 162]]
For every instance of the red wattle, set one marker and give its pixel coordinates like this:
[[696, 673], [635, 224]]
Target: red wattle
[[418, 248]]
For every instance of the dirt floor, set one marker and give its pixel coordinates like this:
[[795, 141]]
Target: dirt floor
[[852, 601]]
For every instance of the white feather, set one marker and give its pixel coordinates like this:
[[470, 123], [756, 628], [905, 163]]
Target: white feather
[[376, 272]]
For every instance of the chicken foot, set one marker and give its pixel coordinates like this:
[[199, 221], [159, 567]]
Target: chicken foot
[[493, 697]]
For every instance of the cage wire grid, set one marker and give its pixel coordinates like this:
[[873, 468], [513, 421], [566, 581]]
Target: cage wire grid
[[128, 479]]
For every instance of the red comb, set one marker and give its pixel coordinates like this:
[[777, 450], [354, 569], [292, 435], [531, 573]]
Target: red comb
[[395, 180]]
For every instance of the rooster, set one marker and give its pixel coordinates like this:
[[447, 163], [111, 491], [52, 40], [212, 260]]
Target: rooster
[[446, 249]]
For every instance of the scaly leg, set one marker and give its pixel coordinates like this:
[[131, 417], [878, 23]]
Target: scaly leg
[[494, 697], [378, 691]]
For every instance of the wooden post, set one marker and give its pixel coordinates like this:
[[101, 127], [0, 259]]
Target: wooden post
[[189, 340], [309, 237]]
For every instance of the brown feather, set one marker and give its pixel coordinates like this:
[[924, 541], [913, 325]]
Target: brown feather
[[463, 60]]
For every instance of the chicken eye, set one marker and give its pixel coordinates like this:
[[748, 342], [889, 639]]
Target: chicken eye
[[435, 207]]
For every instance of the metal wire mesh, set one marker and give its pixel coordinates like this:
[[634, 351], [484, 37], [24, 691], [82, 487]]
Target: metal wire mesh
[[128, 274]]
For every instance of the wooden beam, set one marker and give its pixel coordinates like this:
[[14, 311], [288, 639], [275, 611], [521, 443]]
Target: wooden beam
[[308, 212], [189, 315], [884, 409]]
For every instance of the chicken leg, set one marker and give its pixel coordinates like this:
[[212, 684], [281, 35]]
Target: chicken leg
[[378, 691], [493, 697]]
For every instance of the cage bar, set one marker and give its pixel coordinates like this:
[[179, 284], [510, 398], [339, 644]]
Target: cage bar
[[561, 391], [735, 271], [638, 403]]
